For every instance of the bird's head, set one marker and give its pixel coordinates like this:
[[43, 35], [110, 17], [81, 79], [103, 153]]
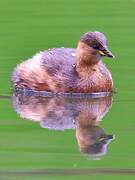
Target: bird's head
[[93, 46]]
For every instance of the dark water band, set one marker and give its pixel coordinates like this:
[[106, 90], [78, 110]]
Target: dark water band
[[69, 172], [29, 92]]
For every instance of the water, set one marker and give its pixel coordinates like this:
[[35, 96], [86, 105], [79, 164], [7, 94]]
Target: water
[[66, 136]]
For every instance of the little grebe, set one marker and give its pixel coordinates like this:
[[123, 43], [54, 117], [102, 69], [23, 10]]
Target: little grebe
[[68, 69]]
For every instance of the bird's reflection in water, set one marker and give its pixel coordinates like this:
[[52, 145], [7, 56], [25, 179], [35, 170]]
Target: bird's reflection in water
[[59, 113]]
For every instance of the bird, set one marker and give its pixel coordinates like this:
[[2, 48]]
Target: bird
[[68, 70]]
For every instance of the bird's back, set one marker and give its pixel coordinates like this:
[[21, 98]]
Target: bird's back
[[51, 70]]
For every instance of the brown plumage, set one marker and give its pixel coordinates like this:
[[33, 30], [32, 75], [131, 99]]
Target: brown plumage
[[67, 69]]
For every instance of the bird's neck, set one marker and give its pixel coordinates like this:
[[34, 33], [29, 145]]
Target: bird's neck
[[86, 61]]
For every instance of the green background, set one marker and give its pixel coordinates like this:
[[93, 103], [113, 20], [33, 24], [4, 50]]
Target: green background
[[28, 26]]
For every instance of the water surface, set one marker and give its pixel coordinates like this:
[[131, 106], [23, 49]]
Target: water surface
[[63, 136]]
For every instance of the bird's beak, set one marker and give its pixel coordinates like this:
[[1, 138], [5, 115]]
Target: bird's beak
[[106, 52], [106, 139]]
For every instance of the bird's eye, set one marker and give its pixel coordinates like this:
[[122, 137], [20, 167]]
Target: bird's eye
[[95, 46]]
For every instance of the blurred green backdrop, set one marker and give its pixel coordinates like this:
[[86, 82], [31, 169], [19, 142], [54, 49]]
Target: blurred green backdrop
[[28, 26]]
